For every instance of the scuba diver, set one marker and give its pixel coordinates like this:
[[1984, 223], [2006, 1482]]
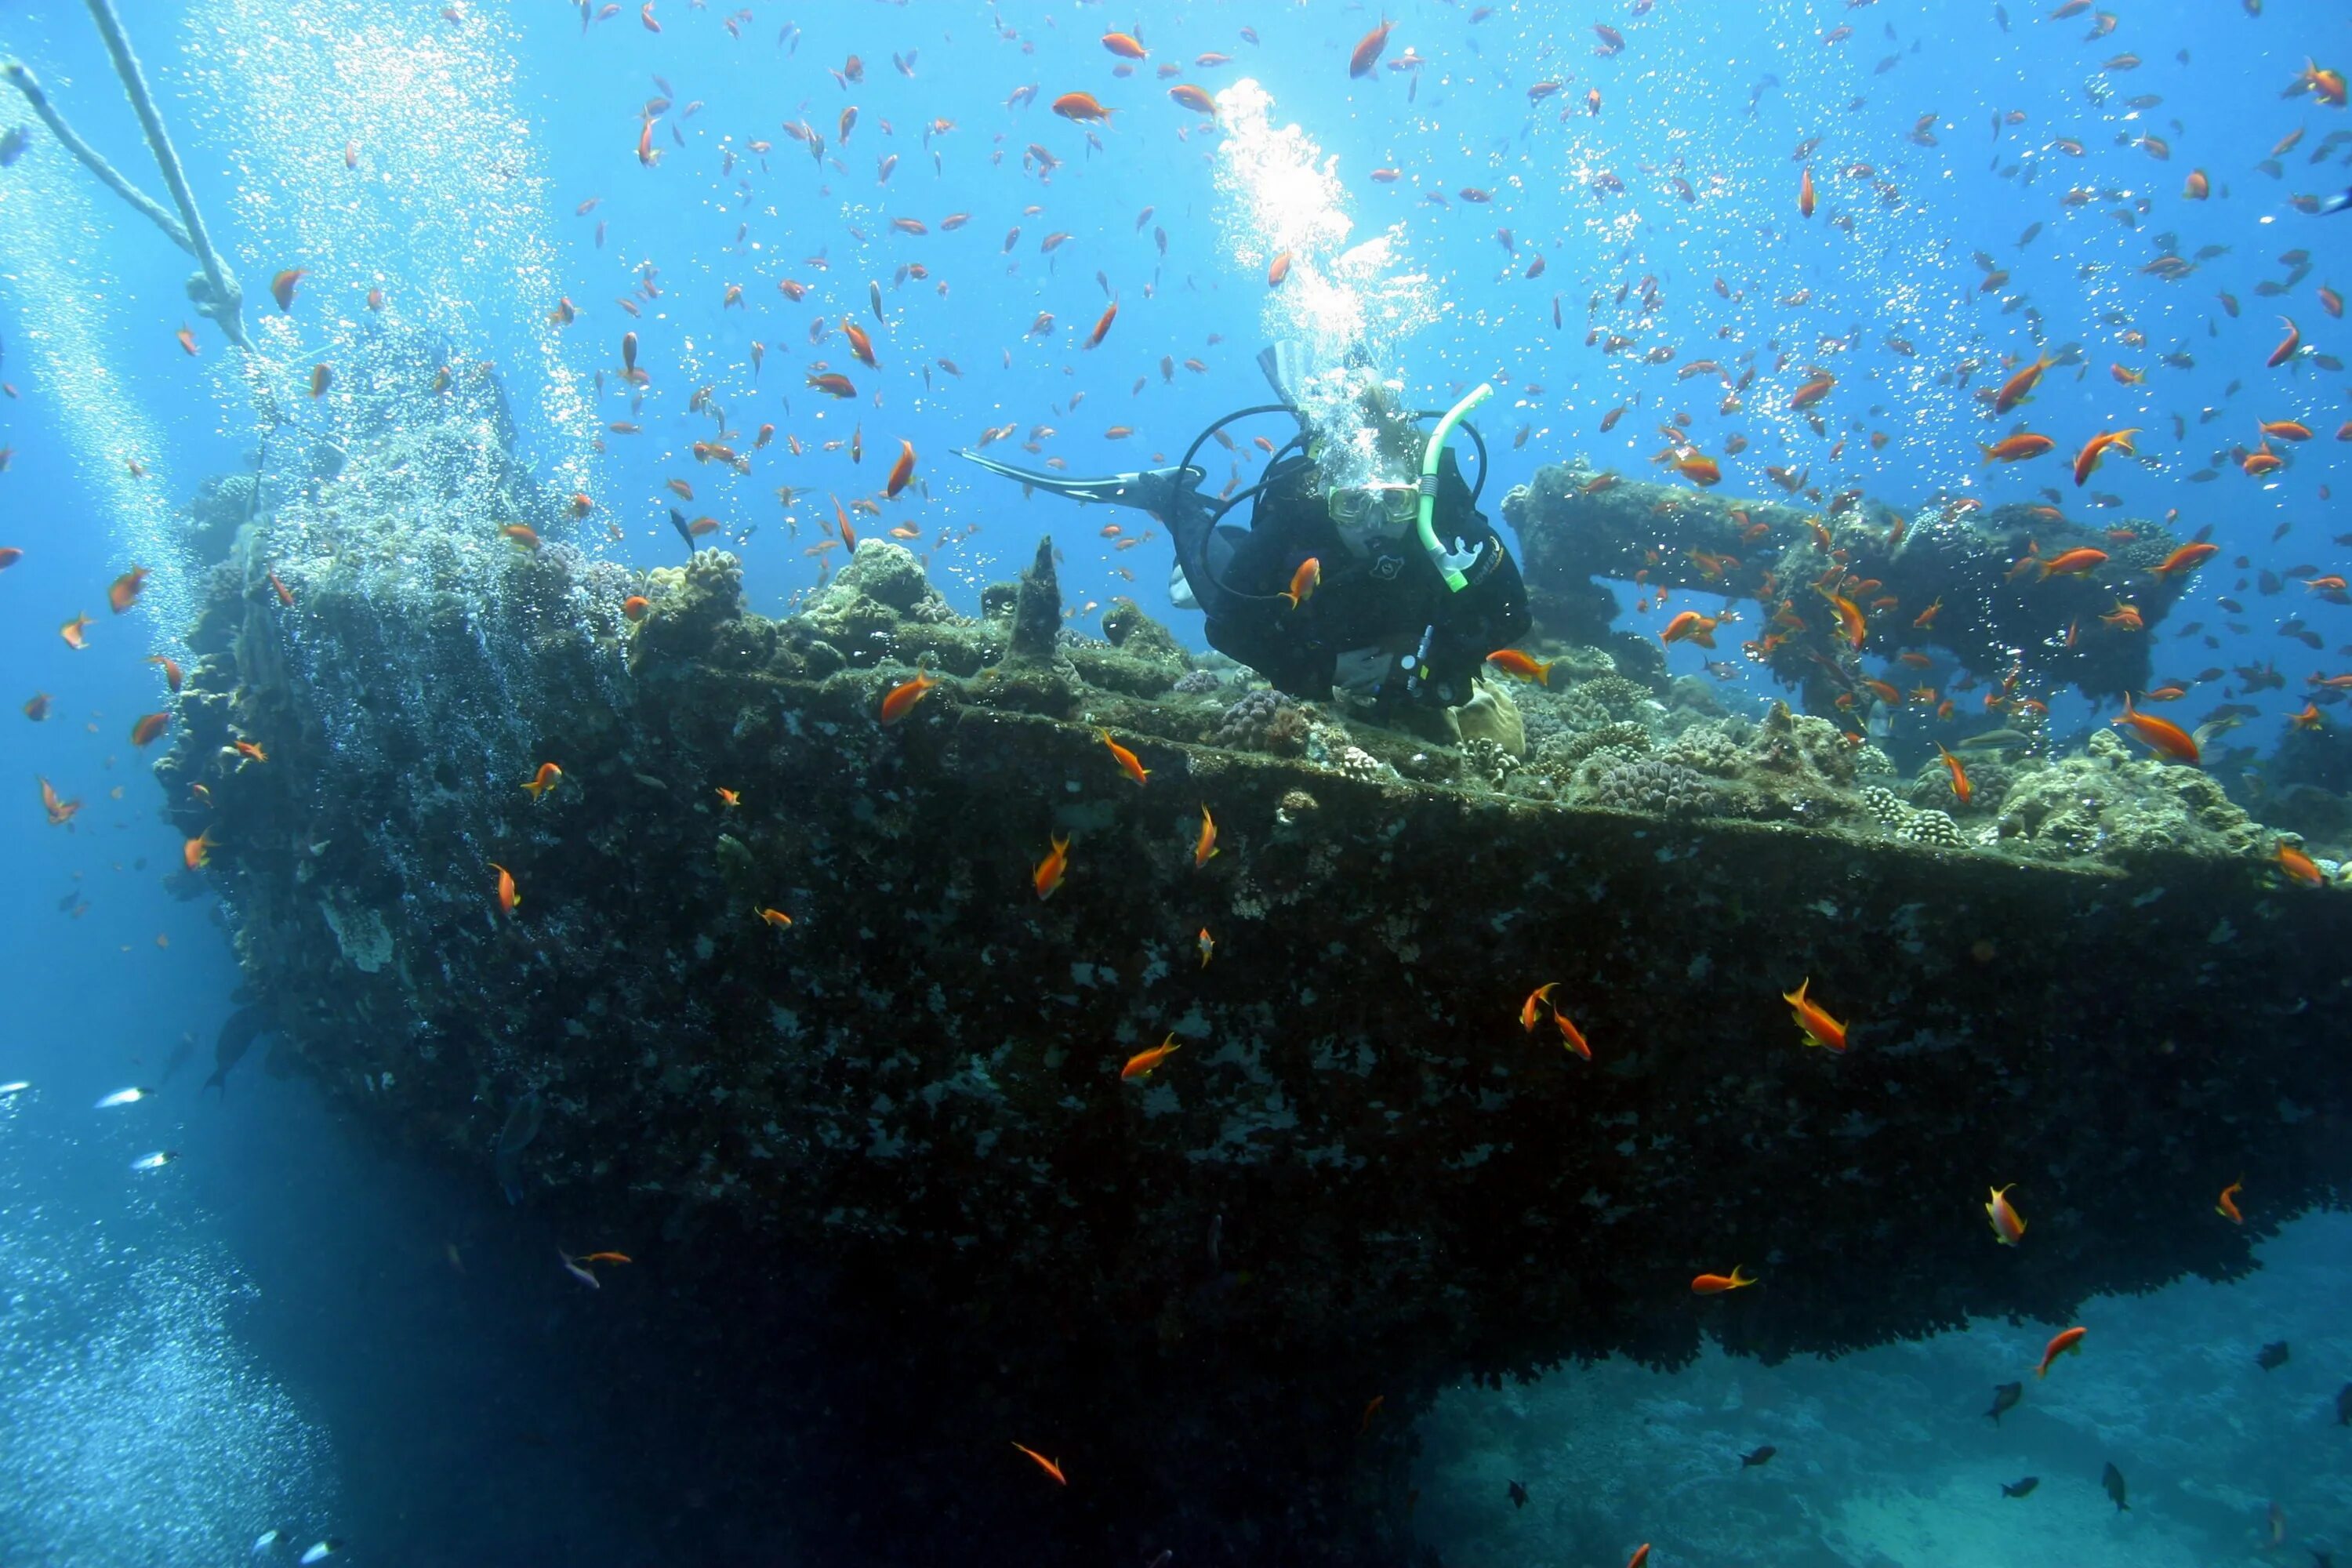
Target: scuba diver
[[1395, 592]]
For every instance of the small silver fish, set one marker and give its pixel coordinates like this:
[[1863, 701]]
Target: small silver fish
[[124, 1097], [264, 1541], [156, 1161], [320, 1551], [571, 1267], [15, 1086]]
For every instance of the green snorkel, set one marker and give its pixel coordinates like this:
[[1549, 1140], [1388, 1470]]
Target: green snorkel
[[1454, 581]]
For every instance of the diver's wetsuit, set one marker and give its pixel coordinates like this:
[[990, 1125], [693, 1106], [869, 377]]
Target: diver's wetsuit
[[1389, 599], [1386, 605]]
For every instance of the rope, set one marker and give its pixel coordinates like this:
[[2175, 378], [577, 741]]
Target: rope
[[216, 295], [21, 77]]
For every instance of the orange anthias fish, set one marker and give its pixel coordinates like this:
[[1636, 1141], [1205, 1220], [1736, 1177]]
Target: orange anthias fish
[[1365, 58], [2087, 460], [1850, 621], [605, 1258], [776, 918], [1819, 1027], [859, 344], [60, 811], [1700, 469], [1962, 788], [172, 676], [732, 799], [2016, 449], [2298, 865], [2073, 562], [2020, 387], [2287, 345], [124, 592], [2226, 1206], [509, 899], [1080, 107], [1277, 269], [1141, 1063], [1805, 193], [149, 726], [2188, 558], [1570, 1036], [1303, 581], [1716, 1284], [1205, 847], [2007, 1227], [546, 778], [251, 751], [1512, 662], [1690, 626], [197, 852], [2165, 737], [1047, 878], [902, 470], [1129, 764], [901, 699], [72, 632], [1532, 1008], [1046, 1465], [281, 287], [1208, 946], [1102, 324], [2068, 1341]]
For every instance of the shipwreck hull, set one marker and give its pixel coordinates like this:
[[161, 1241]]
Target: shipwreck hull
[[882, 1165]]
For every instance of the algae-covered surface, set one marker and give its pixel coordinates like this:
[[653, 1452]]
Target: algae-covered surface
[[781, 979]]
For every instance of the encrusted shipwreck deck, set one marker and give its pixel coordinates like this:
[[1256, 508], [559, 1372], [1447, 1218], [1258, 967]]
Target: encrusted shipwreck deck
[[885, 1159]]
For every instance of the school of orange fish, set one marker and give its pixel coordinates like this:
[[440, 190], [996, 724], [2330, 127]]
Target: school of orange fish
[[1845, 599]]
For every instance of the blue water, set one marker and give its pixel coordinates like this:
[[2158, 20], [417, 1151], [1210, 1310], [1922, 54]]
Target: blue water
[[271, 1332]]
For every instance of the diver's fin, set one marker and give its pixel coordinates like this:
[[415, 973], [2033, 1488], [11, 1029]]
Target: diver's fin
[[1151, 490], [1288, 366]]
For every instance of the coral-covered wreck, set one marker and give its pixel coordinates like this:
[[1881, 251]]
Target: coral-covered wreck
[[881, 1165]]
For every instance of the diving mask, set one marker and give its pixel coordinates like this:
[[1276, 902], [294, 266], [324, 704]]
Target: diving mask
[[1361, 512]]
